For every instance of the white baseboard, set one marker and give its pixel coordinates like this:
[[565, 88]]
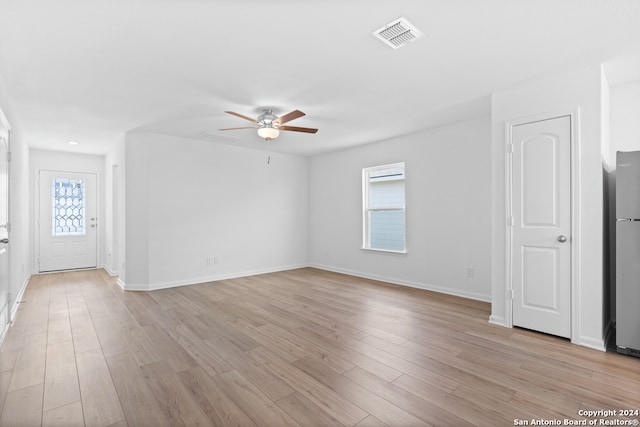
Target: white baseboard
[[214, 278], [18, 298], [3, 334], [599, 343], [5, 313], [498, 320], [13, 310], [596, 344], [108, 269], [205, 279], [395, 281]]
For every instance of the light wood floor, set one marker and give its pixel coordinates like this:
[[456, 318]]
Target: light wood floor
[[304, 347]]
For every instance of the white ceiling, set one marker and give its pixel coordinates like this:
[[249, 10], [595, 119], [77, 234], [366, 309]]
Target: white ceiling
[[92, 70]]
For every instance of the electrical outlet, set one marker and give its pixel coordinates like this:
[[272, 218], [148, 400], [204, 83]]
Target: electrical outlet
[[215, 260], [470, 273]]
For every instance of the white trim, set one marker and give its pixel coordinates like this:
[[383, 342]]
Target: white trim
[[3, 334], [409, 283], [593, 343], [508, 170], [205, 279], [366, 175], [576, 327], [108, 269], [7, 309], [4, 121], [5, 124], [16, 301], [385, 250], [497, 320], [574, 117], [391, 280]]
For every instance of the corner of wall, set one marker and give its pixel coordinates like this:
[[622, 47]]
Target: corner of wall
[[498, 218], [497, 320], [591, 342], [114, 213]]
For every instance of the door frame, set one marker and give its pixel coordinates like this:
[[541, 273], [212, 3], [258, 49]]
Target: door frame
[[574, 186], [9, 306], [36, 213]]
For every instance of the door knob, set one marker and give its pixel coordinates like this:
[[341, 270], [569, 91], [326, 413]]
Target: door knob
[[562, 239], [4, 240]]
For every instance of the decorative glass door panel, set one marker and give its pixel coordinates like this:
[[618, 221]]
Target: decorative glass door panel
[[68, 208]]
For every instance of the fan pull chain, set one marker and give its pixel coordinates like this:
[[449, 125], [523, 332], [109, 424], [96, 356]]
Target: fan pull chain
[[268, 152]]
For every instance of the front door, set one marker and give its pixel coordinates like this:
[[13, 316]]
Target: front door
[[67, 220], [541, 212]]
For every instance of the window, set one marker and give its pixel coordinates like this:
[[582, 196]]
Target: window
[[68, 216], [384, 208]]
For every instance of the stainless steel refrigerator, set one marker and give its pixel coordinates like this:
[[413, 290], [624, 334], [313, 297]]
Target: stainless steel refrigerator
[[628, 253]]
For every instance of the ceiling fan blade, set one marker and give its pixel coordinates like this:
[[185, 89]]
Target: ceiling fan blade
[[241, 116], [289, 116], [298, 129], [245, 127]]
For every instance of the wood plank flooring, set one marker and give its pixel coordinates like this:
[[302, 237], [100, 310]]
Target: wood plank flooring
[[298, 348]]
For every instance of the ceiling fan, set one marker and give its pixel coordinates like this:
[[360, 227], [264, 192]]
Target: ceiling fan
[[269, 125]]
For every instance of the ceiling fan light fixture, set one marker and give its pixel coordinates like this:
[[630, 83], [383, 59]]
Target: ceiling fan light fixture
[[269, 125], [268, 132]]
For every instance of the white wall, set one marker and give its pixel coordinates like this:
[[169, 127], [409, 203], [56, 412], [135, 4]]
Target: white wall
[[20, 250], [114, 223], [64, 161], [579, 91], [448, 210], [188, 201], [625, 118], [608, 213]]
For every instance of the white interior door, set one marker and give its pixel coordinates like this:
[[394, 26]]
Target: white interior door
[[4, 228], [541, 210], [67, 220]]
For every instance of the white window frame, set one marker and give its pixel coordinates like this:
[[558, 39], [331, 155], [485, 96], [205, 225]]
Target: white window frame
[[366, 174]]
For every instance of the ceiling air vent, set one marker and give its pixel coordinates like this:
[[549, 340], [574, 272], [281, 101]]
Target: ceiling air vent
[[398, 33]]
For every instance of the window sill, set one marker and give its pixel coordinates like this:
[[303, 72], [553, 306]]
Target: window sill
[[389, 251]]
